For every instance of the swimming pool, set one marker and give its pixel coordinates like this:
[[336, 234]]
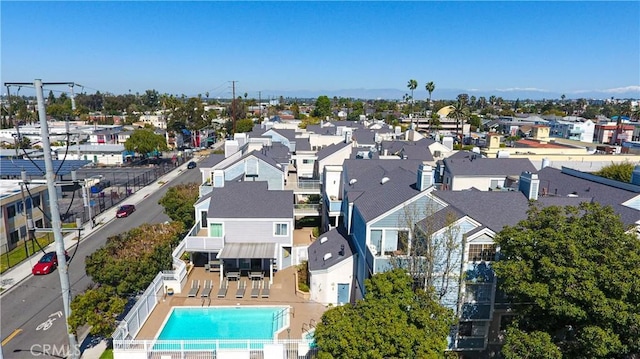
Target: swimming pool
[[224, 323]]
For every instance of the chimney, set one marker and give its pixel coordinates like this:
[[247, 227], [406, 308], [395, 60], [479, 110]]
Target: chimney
[[529, 185], [218, 178], [230, 147], [635, 175], [425, 177], [545, 162]]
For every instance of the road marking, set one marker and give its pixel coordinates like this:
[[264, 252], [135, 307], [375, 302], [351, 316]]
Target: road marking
[[58, 313], [11, 336]]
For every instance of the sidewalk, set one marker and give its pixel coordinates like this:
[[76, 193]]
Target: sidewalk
[[14, 276]]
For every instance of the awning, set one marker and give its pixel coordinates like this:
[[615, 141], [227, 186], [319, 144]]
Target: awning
[[248, 250]]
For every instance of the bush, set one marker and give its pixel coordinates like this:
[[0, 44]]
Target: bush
[[303, 287]]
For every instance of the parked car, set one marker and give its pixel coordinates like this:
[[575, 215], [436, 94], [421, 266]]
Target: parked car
[[47, 263], [191, 165], [125, 211]]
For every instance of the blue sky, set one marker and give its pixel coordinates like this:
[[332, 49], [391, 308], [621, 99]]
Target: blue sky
[[509, 49]]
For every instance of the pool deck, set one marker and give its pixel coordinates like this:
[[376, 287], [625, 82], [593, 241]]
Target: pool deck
[[282, 294]]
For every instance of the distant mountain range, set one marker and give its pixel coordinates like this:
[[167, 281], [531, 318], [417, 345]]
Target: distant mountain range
[[629, 92]]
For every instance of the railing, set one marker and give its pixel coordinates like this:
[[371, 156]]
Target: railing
[[334, 205], [304, 185], [280, 320], [194, 244], [256, 348], [306, 208], [130, 325]]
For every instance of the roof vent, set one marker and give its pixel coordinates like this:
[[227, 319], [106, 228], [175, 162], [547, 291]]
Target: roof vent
[[384, 180], [323, 239], [327, 256], [353, 181]]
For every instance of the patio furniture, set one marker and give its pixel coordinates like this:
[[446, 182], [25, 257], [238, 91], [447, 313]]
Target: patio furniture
[[222, 292], [195, 286], [255, 289], [233, 275], [256, 275], [208, 285], [242, 286], [214, 266], [265, 290]]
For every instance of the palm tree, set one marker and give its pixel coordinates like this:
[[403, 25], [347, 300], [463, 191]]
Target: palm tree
[[460, 113], [412, 85], [430, 87]]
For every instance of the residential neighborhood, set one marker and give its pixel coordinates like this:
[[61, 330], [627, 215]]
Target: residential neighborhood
[[299, 213]]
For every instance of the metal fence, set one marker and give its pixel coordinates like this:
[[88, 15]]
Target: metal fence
[[116, 189], [214, 349]]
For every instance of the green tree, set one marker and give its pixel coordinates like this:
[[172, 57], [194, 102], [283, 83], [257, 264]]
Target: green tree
[[617, 171], [535, 345], [574, 273], [323, 107], [412, 85], [178, 203], [129, 261], [144, 141], [430, 87], [99, 308], [392, 321], [244, 125], [460, 112]]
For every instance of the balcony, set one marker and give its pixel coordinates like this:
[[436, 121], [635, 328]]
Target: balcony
[[334, 205], [205, 189], [198, 240], [304, 187], [307, 209]]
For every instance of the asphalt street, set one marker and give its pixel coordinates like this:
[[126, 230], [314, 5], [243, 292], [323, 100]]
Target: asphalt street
[[31, 312]]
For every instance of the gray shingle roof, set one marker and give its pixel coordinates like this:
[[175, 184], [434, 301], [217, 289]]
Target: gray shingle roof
[[317, 129], [488, 166], [212, 160], [556, 183], [331, 149], [302, 144], [498, 209], [418, 150], [337, 244], [369, 195], [250, 200]]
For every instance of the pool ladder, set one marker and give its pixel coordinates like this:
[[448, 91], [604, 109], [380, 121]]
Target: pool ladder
[[208, 302]]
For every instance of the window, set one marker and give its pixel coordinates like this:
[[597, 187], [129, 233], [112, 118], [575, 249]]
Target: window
[[472, 329], [281, 229], [203, 219], [11, 211], [19, 207], [215, 230], [308, 161], [482, 252], [36, 200], [14, 237], [478, 293]]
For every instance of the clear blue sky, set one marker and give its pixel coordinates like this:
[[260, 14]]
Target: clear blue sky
[[198, 47]]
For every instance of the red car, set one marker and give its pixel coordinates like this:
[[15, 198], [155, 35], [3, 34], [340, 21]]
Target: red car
[[125, 210], [47, 263]]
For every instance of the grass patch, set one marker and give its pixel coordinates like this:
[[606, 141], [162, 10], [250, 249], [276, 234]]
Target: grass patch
[[19, 254], [107, 354]]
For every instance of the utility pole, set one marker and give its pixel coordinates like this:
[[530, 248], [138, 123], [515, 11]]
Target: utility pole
[[260, 103], [63, 268], [233, 105]]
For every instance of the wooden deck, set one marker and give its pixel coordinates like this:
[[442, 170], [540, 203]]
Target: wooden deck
[[282, 294]]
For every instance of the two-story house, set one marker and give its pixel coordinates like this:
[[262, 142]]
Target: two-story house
[[244, 226]]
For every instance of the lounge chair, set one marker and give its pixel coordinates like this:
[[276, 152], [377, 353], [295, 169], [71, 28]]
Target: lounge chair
[[242, 286], [195, 287], [222, 292], [255, 288], [265, 289], [208, 285]]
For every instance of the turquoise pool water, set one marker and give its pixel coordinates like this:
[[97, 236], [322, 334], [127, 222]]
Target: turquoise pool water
[[210, 323]]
